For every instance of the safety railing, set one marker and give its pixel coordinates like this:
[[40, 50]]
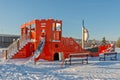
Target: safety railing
[[12, 48], [16, 46]]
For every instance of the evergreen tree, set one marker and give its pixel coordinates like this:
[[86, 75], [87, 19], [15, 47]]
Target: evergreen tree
[[118, 42], [103, 41]]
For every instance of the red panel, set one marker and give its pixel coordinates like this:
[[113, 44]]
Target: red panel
[[24, 52]]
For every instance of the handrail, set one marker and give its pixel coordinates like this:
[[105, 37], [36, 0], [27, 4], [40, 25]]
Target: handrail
[[16, 46], [12, 47]]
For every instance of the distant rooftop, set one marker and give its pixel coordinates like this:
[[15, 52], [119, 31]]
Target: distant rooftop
[[10, 35], [7, 39]]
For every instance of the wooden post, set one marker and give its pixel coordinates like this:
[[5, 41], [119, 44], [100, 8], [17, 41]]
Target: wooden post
[[6, 55]]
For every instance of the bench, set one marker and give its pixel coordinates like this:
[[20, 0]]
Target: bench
[[79, 56], [111, 55]]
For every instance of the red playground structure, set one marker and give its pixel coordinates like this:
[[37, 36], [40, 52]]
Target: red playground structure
[[43, 40]]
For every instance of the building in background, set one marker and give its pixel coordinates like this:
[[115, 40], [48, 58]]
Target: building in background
[[7, 39]]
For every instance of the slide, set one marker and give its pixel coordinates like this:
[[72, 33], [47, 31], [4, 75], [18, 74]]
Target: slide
[[37, 52], [40, 47]]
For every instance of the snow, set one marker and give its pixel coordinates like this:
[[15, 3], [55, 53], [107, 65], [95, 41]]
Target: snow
[[21, 69]]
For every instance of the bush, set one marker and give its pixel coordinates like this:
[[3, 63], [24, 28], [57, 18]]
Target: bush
[[118, 42]]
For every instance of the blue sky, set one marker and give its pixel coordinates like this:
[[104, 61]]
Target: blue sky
[[102, 17]]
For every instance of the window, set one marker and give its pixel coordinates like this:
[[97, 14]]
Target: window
[[58, 26]]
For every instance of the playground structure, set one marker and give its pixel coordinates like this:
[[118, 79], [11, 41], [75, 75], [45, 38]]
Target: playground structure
[[94, 52], [43, 40]]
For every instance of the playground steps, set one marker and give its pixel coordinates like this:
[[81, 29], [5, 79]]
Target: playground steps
[[23, 52], [18, 49]]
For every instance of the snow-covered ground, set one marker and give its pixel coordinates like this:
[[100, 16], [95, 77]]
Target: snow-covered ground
[[20, 69]]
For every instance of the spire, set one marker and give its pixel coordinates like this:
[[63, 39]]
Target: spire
[[85, 34], [83, 23]]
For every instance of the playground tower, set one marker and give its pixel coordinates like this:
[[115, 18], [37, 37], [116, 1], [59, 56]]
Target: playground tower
[[43, 38]]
